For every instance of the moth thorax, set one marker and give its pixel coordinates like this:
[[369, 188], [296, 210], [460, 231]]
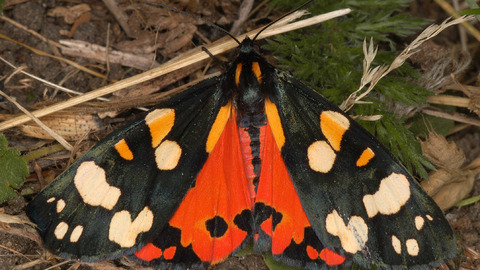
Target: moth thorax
[[251, 120]]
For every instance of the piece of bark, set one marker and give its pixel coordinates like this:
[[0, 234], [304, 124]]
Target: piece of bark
[[78, 48]]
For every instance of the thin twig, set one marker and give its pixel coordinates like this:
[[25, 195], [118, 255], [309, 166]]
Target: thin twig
[[461, 30], [30, 31], [107, 49], [463, 89], [243, 12], [449, 100], [52, 133], [55, 86], [452, 116], [39, 52], [120, 15], [450, 10]]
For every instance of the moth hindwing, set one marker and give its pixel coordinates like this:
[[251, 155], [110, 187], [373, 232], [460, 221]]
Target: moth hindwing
[[251, 154]]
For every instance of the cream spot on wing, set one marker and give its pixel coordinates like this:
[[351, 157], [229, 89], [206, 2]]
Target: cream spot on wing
[[76, 233], [124, 231], [412, 247], [160, 122], [429, 217], [60, 205], [321, 156], [61, 230], [92, 185], [167, 155], [334, 125], [397, 246], [52, 199], [419, 222], [352, 237], [392, 194]]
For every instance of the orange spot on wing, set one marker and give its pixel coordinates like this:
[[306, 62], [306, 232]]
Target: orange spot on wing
[[365, 157], [267, 226], [312, 253], [237, 73], [334, 125], [331, 257], [218, 126], [160, 122], [149, 252], [123, 150], [277, 191], [221, 190], [256, 70], [169, 253], [275, 123]]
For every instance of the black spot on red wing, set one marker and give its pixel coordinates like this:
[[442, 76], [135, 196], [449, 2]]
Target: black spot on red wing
[[296, 253], [216, 226], [262, 212], [276, 219], [244, 221], [170, 237]]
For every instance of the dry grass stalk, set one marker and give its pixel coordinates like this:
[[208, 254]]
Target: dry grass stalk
[[372, 76]]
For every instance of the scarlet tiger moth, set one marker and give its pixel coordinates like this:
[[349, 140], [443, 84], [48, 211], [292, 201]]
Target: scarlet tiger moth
[[251, 154]]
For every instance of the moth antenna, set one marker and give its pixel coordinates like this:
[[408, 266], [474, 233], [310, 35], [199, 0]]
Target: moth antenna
[[196, 17], [283, 16], [212, 56]]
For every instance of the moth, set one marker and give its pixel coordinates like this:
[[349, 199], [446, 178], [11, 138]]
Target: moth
[[251, 155]]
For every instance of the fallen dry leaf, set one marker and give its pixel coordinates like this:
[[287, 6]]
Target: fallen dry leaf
[[442, 153], [69, 14], [449, 184]]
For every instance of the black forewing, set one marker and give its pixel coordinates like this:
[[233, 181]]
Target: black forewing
[[140, 181], [344, 186]]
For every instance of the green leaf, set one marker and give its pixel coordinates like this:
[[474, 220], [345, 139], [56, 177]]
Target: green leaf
[[475, 11], [2, 3], [13, 170], [248, 249], [422, 124], [473, 5], [468, 201]]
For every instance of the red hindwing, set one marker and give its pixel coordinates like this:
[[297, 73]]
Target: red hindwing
[[214, 216]]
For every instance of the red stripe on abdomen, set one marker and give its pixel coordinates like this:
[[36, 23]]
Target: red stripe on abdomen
[[252, 142]]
